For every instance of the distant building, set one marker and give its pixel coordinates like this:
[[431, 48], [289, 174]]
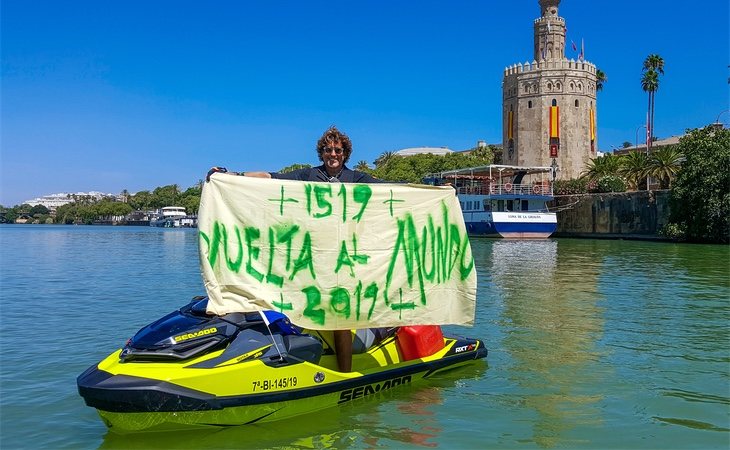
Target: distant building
[[53, 201], [424, 150], [549, 104], [441, 150], [659, 143], [24, 218]]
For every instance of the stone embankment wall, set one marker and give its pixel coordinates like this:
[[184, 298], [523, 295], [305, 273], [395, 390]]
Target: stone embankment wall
[[626, 214]]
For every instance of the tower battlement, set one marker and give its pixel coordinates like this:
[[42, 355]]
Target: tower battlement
[[557, 64], [552, 19]]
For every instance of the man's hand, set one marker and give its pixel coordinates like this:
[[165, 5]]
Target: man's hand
[[215, 170]]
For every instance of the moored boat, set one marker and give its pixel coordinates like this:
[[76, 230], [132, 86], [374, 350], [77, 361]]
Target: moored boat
[[169, 217], [503, 201], [192, 369]]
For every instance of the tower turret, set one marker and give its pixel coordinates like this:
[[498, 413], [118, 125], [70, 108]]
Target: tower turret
[[549, 104], [549, 32]]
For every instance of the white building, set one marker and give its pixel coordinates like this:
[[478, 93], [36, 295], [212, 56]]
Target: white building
[[53, 201], [421, 150]]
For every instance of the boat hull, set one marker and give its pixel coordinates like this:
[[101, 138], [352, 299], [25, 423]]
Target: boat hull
[[149, 396], [512, 225]]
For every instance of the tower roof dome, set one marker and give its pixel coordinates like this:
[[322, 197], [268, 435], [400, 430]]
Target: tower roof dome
[[549, 7]]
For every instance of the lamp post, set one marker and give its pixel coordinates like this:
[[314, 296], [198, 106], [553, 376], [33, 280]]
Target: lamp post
[[636, 143], [717, 121], [554, 167]]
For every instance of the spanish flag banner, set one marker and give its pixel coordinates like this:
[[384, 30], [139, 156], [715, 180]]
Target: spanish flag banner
[[510, 119], [554, 122], [593, 125]]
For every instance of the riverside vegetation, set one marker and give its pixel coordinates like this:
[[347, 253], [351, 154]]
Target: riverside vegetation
[[696, 170]]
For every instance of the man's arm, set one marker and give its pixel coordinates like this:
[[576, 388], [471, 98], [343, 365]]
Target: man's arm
[[257, 174]]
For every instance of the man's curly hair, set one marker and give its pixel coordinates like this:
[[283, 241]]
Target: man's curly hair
[[333, 135]]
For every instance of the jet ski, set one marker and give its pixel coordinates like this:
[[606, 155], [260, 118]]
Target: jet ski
[[191, 369]]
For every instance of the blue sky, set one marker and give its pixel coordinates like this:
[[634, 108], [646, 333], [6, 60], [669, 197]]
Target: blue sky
[[105, 96]]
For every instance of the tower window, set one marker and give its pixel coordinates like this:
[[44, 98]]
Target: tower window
[[576, 103], [529, 104], [555, 102]]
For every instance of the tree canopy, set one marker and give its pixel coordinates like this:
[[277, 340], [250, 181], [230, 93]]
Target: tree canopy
[[412, 169], [700, 198]]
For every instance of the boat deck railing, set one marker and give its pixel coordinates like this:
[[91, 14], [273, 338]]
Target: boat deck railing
[[507, 189]]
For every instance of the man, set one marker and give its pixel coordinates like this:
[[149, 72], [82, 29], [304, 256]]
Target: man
[[333, 149]]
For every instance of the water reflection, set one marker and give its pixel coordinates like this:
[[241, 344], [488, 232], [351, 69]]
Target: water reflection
[[552, 321]]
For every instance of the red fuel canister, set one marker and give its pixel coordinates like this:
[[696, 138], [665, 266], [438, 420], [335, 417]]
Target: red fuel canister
[[418, 341]]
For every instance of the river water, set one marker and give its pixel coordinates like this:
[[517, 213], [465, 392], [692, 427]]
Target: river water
[[593, 344]]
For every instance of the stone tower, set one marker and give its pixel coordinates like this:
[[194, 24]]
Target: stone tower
[[549, 104]]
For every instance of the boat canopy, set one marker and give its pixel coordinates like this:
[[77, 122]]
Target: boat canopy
[[491, 171]]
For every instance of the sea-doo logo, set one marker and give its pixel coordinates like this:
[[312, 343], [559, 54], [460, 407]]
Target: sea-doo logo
[[465, 348], [362, 391], [197, 334]]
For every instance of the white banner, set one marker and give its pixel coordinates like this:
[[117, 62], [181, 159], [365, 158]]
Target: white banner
[[336, 255]]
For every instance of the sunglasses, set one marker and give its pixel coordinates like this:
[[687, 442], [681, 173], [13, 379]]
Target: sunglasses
[[336, 150]]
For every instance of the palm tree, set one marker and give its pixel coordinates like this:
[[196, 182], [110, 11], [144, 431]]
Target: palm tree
[[608, 164], [654, 62], [653, 67], [664, 165], [601, 78], [634, 167], [384, 158], [362, 166]]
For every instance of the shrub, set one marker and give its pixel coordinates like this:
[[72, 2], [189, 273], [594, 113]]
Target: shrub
[[610, 183], [674, 231], [570, 187]]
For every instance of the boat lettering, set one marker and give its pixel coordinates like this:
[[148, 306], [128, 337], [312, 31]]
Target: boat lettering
[[197, 334], [522, 216], [362, 391], [275, 383], [464, 348]]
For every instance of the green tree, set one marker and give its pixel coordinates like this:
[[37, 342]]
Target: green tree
[[598, 167], [10, 215], [362, 166], [191, 204], [626, 144], [482, 152], [193, 191], [383, 159], [142, 200], [664, 164], [38, 210], [652, 68], [294, 167], [700, 195], [165, 196], [601, 79], [634, 168], [414, 168]]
